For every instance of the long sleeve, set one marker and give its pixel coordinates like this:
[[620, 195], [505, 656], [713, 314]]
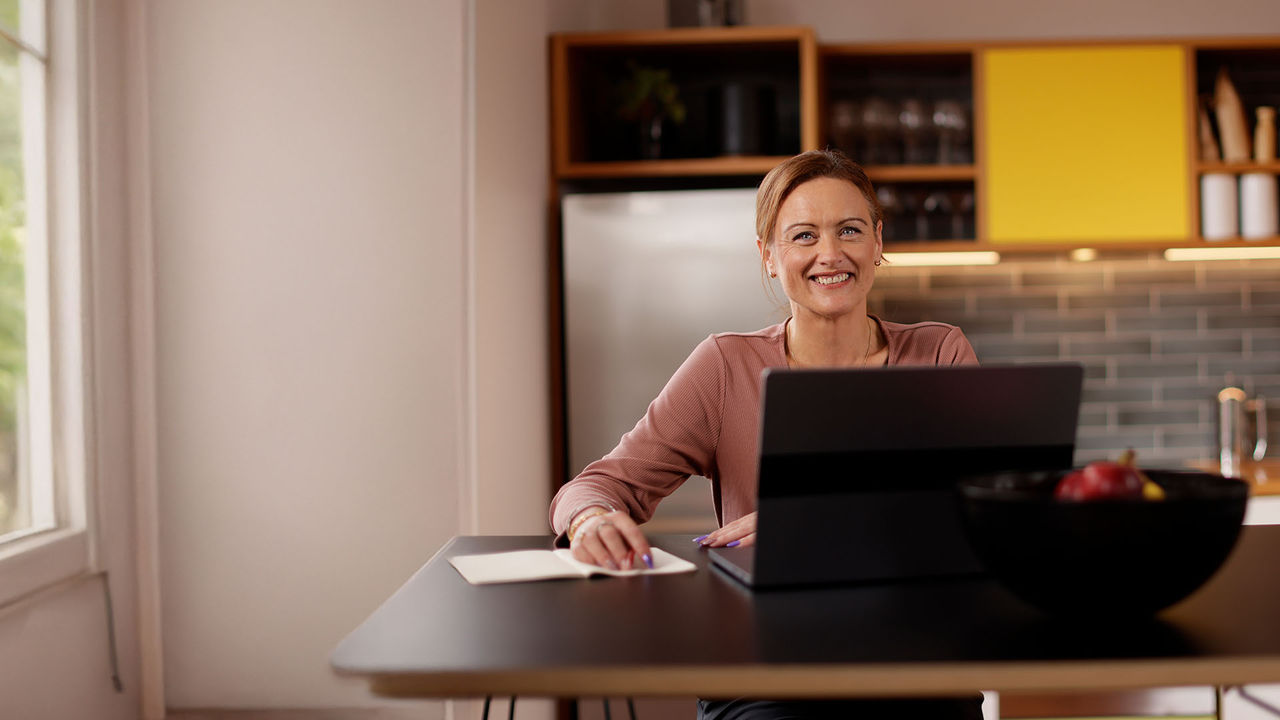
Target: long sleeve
[[956, 350], [676, 438]]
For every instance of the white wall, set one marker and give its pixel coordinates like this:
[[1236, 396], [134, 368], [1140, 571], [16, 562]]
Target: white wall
[[512, 460], [308, 190]]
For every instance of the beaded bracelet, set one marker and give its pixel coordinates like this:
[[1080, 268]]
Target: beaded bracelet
[[584, 516]]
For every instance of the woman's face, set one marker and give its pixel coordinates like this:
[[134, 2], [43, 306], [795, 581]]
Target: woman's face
[[824, 248]]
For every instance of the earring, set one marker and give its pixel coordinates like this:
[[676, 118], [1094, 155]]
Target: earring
[[877, 263]]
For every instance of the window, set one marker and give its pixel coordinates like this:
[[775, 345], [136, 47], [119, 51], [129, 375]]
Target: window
[[43, 450], [24, 505]]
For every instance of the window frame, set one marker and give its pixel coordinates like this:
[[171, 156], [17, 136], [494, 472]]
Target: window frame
[[61, 397]]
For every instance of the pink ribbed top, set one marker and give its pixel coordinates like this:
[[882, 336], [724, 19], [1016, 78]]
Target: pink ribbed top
[[706, 422]]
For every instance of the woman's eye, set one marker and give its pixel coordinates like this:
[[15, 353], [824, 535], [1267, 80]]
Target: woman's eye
[[805, 236], [850, 230]]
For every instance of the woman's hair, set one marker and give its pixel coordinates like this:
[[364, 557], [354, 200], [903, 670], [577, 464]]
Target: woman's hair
[[796, 171]]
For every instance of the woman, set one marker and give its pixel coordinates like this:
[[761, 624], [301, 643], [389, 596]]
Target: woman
[[819, 231]]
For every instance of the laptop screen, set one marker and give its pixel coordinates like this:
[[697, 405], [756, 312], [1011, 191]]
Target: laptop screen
[[913, 428]]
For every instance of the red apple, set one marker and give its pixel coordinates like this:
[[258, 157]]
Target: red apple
[[1102, 480]]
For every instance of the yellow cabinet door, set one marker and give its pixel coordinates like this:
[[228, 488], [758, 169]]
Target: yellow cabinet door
[[1086, 144]]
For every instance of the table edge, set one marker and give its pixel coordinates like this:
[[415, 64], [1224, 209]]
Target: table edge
[[814, 680]]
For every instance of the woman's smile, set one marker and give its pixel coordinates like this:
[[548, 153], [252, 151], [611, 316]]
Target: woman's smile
[[832, 280]]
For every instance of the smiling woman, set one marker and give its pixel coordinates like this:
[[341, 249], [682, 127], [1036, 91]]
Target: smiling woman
[[820, 232]]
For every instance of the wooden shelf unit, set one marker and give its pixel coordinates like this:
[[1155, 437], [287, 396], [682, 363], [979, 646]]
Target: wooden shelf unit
[[777, 66], [817, 82], [1254, 66]]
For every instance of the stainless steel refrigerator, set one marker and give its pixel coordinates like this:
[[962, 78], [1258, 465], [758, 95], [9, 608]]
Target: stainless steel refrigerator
[[647, 276]]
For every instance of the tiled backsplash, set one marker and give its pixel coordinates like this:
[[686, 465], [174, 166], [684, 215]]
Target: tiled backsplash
[[1158, 339]]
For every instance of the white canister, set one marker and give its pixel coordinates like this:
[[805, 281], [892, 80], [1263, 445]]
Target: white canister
[[1218, 206], [1259, 203]]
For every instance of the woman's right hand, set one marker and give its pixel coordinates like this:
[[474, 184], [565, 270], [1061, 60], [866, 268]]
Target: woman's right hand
[[612, 540]]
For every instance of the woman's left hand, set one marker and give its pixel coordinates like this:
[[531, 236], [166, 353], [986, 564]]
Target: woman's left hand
[[740, 532]]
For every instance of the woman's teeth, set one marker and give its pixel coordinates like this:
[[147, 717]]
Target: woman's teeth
[[832, 279]]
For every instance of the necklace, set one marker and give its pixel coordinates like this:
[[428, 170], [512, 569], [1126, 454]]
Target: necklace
[[866, 355]]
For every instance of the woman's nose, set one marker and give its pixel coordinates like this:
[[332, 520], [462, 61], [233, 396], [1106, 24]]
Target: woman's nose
[[828, 248]]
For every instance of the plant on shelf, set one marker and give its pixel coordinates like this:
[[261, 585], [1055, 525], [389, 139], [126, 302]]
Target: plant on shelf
[[648, 97]]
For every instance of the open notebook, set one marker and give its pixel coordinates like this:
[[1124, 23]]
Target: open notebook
[[527, 565]]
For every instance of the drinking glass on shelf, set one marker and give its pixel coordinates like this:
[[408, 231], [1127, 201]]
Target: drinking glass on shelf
[[914, 121], [951, 117], [892, 207], [914, 223], [937, 208], [880, 129], [962, 220], [846, 124]]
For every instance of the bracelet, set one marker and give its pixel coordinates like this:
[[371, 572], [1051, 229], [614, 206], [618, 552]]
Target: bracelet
[[584, 516]]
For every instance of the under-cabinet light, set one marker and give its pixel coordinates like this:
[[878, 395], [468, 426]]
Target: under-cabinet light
[[1222, 253], [918, 259], [1084, 254]]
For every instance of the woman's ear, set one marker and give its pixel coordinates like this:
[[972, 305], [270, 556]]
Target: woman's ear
[[766, 257]]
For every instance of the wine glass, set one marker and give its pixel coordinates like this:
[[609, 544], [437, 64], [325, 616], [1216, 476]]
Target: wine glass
[[891, 207], [914, 121], [952, 121], [937, 208], [880, 126], [846, 124]]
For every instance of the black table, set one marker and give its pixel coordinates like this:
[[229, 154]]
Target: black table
[[703, 634]]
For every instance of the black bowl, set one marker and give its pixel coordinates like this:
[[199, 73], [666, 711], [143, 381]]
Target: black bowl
[[1112, 557]]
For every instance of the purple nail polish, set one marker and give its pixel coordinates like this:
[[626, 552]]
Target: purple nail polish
[[700, 539], [735, 543], [647, 560]]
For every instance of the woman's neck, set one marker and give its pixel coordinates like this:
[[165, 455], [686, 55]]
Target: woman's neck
[[847, 341]]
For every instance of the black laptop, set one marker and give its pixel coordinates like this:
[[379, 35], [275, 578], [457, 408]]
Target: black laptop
[[858, 467]]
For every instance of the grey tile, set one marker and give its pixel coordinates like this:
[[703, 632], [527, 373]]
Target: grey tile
[[1094, 368], [1122, 346], [991, 349], [1243, 367], [1179, 416], [1201, 442], [1091, 278], [1269, 388], [1202, 391], [951, 281], [1010, 303], [1148, 322], [1200, 346], [1243, 320], [893, 281], [1200, 298], [917, 309], [1096, 416], [1264, 298], [1132, 392], [1171, 458], [1257, 271], [1001, 325], [1266, 344], [1083, 301], [1145, 278], [1142, 368], [1117, 439], [1037, 323]]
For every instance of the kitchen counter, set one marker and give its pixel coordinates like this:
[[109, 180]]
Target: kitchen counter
[[1263, 477]]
